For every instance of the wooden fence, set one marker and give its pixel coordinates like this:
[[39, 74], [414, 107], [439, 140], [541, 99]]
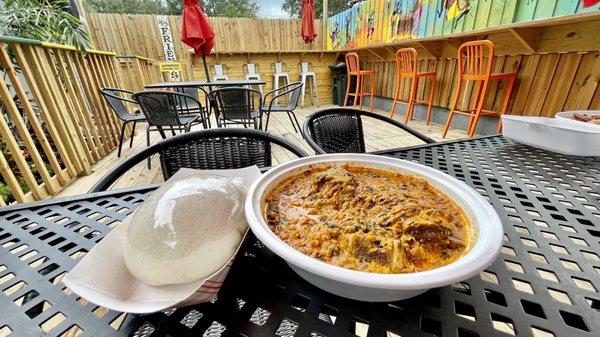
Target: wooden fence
[[56, 124], [138, 71], [546, 83], [129, 34]]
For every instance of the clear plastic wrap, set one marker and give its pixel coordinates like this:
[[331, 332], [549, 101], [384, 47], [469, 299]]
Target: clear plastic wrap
[[188, 229]]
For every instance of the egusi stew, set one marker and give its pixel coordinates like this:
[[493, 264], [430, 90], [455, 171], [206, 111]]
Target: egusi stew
[[368, 219]]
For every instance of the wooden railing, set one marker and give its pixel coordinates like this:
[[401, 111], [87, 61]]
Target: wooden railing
[[54, 122]]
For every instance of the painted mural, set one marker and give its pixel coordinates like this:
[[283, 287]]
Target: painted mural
[[375, 22]]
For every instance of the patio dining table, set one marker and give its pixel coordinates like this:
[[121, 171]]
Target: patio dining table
[[544, 283]]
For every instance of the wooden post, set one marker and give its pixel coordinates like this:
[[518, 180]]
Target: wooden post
[[324, 22]]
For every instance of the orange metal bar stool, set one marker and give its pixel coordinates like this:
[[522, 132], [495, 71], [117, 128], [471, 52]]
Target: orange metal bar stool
[[406, 67], [475, 63], [353, 68]]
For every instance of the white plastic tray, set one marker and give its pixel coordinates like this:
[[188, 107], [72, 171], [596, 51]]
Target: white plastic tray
[[553, 134]]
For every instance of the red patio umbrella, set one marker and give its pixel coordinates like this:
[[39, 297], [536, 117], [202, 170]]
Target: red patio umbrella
[[196, 31], [308, 31]]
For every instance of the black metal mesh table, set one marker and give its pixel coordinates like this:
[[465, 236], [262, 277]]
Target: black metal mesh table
[[544, 283]]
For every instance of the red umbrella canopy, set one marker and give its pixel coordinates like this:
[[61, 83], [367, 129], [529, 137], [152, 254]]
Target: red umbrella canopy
[[196, 31], [308, 31]]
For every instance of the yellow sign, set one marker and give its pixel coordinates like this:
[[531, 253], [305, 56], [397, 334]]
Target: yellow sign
[[167, 67]]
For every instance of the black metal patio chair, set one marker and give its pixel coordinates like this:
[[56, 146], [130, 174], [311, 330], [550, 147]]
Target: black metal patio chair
[[236, 106], [190, 107], [340, 130], [292, 93], [116, 100], [162, 111], [207, 149]]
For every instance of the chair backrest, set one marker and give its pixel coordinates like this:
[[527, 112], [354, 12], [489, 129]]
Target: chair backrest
[[116, 100], [251, 69], [236, 103], [352, 62], [207, 149], [475, 59], [337, 131], [304, 67], [406, 61], [340, 130], [161, 108], [278, 68], [295, 91]]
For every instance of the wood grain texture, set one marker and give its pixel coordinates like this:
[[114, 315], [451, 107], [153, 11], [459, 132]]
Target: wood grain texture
[[129, 34]]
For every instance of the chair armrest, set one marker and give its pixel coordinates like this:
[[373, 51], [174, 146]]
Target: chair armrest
[[120, 97]]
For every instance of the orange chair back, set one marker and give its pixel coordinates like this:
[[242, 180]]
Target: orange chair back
[[352, 63], [475, 59], [406, 61]]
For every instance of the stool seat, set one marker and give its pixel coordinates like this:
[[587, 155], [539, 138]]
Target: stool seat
[[426, 74], [501, 76], [362, 72], [251, 74]]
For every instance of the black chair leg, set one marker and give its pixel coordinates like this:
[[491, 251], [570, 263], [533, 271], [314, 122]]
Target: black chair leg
[[292, 121], [132, 134], [267, 122], [121, 138], [297, 123], [162, 132], [148, 144]]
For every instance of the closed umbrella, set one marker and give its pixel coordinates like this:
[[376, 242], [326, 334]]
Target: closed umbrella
[[196, 31], [308, 31]]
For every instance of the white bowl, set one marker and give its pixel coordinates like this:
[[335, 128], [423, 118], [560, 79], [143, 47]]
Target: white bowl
[[375, 287], [568, 116]]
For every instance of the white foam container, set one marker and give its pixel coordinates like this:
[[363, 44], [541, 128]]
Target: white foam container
[[553, 134], [487, 234], [568, 116]]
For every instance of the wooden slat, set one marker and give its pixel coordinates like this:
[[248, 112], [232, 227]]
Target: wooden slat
[[559, 88], [77, 107], [26, 70], [13, 146], [91, 88], [35, 125], [84, 105], [41, 77], [585, 84], [68, 112], [541, 84]]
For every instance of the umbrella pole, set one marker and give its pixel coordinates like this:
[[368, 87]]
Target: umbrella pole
[[206, 68]]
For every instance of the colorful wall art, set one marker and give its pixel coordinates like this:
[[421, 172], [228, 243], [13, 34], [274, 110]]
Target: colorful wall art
[[374, 22]]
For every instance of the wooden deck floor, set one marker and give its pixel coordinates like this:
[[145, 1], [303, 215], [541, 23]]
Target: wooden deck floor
[[377, 137]]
